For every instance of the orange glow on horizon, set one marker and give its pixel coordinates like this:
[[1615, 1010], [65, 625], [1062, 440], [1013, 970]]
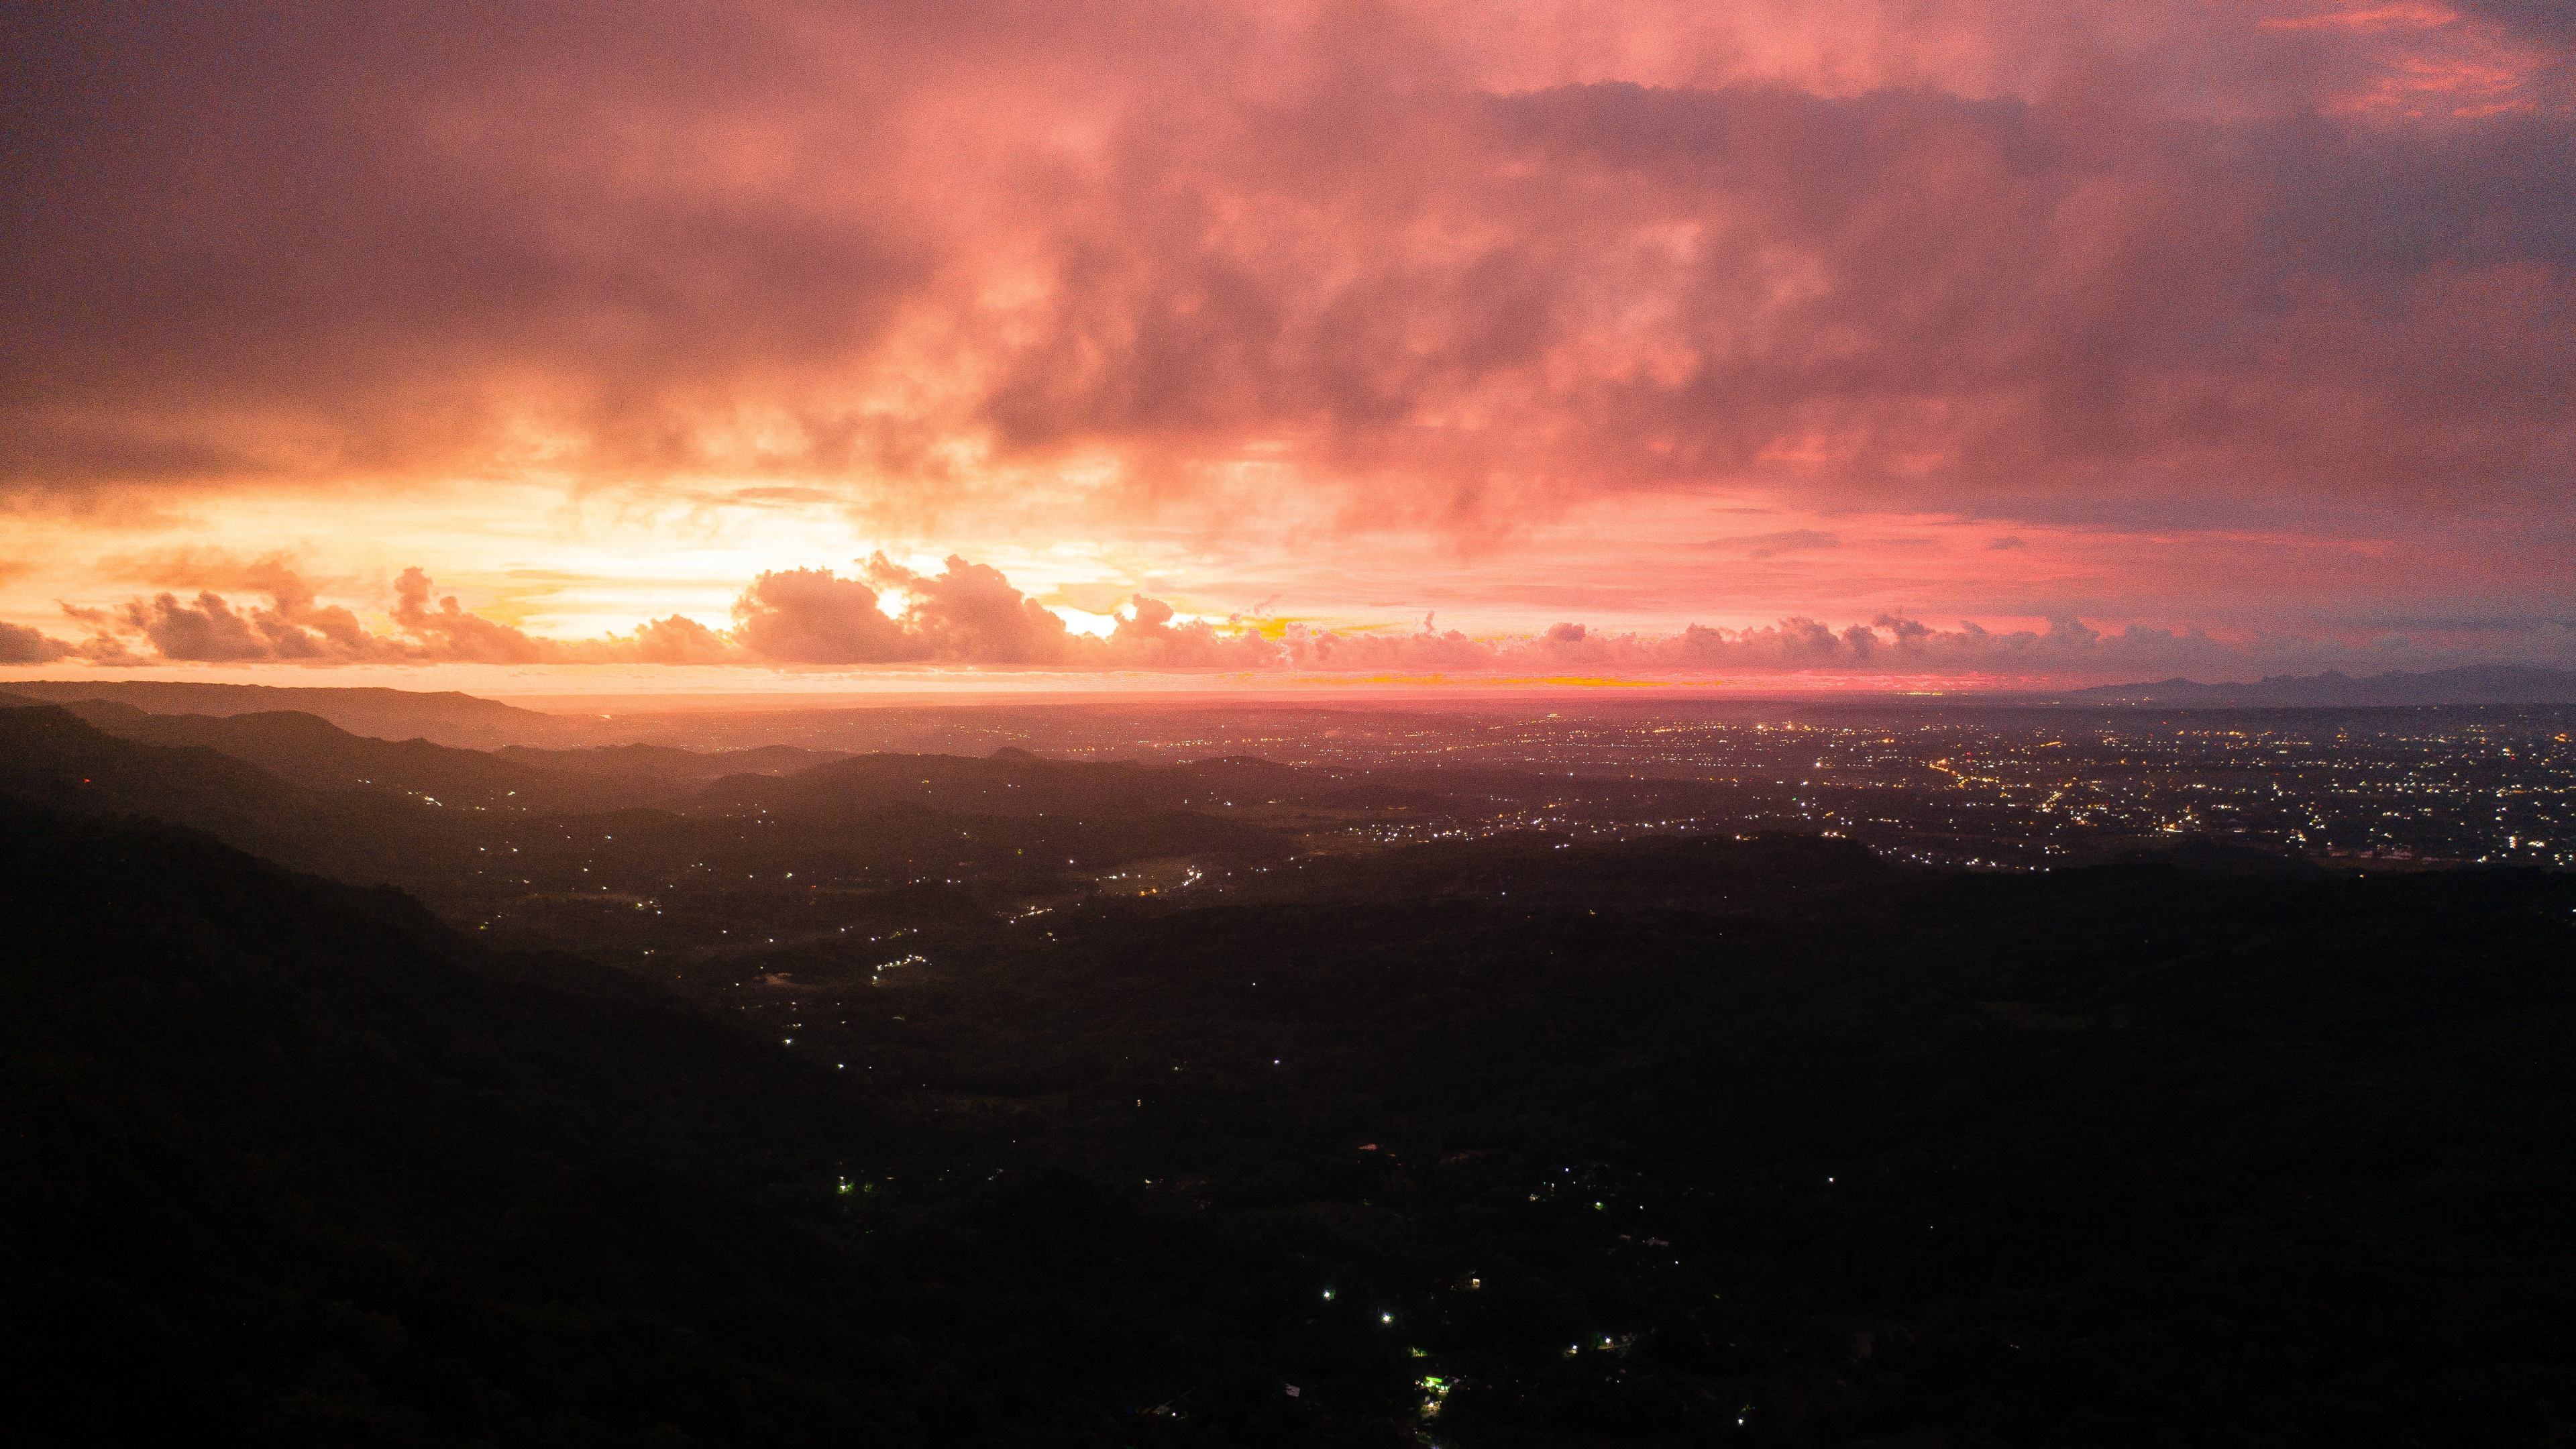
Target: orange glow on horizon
[[1623, 345]]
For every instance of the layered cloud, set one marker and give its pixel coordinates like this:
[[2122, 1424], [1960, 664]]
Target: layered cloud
[[22, 645], [884, 615], [1264, 288], [1414, 263], [1886, 648], [968, 613]]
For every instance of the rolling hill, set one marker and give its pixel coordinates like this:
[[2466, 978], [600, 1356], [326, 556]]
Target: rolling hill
[[448, 718]]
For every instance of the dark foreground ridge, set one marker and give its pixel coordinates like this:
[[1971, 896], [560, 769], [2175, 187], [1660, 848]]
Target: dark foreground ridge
[[289, 1161], [1519, 1141]]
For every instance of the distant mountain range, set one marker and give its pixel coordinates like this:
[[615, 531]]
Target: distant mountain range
[[572, 743], [310, 753], [2475, 684], [448, 718]]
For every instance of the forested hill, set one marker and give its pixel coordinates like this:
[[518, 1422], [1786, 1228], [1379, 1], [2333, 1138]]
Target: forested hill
[[1507, 1143], [287, 1162], [311, 751], [445, 717], [279, 1152]]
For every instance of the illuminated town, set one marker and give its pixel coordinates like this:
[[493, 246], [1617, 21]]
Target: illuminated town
[[1976, 786]]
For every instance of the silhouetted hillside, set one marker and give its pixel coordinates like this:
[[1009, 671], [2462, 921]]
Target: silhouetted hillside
[[273, 1145], [546, 878], [50, 757], [446, 718], [310, 751], [1515, 1141], [288, 1162]]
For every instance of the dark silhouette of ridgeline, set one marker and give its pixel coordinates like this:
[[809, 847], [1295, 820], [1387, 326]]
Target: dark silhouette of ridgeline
[[2475, 684], [1651, 1142], [291, 788], [446, 717]]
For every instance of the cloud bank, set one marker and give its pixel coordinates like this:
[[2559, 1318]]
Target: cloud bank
[[1431, 263], [2253, 315], [968, 613], [884, 615]]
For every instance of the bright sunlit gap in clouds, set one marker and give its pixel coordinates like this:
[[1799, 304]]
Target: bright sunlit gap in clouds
[[1980, 342]]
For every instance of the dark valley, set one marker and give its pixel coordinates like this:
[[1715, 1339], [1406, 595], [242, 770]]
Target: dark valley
[[382, 1092]]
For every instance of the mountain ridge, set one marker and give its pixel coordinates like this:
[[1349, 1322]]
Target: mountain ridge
[[446, 717], [2469, 684], [308, 750]]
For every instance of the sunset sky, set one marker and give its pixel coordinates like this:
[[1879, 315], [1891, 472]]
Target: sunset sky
[[1944, 344]]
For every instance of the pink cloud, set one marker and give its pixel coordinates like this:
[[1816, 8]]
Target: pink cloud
[[1286, 277], [22, 645], [970, 614], [967, 613], [1169, 238], [810, 616]]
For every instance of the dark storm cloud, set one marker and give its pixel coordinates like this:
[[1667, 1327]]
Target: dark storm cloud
[[871, 250], [22, 645]]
